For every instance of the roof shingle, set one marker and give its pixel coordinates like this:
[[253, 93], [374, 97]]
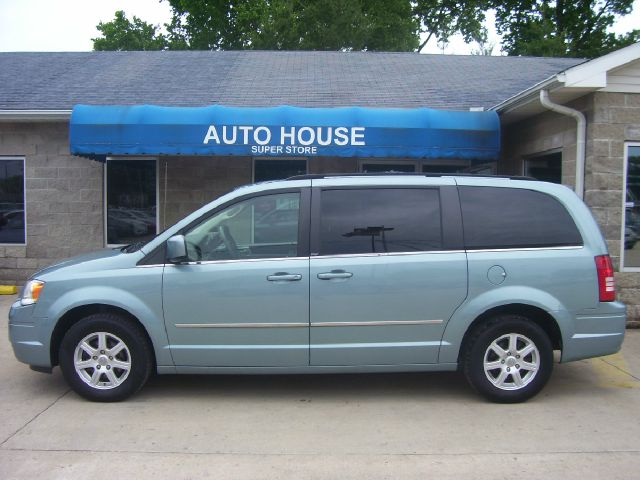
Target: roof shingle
[[57, 81]]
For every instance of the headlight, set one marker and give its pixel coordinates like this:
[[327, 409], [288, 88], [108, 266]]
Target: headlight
[[31, 292]]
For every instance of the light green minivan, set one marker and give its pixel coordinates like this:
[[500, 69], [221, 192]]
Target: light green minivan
[[319, 274]]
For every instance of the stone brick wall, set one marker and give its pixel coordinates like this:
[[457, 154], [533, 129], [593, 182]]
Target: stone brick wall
[[612, 120], [63, 199], [195, 181], [543, 133]]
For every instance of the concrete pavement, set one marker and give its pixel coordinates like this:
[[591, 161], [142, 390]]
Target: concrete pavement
[[585, 424]]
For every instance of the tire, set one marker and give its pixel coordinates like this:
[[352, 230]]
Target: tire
[[498, 372], [89, 369]]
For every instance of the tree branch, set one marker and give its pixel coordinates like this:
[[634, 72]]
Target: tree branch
[[423, 44]]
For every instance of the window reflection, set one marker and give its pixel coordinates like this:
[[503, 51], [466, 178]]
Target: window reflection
[[259, 227], [380, 221], [632, 209], [278, 169], [515, 218], [12, 221], [131, 201]]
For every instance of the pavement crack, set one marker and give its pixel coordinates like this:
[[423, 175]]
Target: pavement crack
[[33, 418], [620, 369], [320, 454]]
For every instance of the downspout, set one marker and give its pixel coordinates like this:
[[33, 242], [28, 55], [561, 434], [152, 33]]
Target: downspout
[[580, 138]]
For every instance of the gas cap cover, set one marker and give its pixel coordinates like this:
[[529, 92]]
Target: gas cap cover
[[496, 274]]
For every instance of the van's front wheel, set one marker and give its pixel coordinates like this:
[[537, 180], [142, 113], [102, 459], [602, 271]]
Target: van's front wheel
[[508, 359], [105, 358]]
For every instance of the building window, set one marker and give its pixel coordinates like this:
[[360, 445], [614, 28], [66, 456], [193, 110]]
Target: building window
[[412, 166], [264, 170], [630, 256], [132, 200], [444, 168], [12, 217], [378, 167], [547, 168]]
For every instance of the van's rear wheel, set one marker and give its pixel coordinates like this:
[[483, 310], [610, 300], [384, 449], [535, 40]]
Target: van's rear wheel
[[508, 359], [105, 358]]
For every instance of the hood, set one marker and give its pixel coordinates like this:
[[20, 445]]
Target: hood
[[84, 262]]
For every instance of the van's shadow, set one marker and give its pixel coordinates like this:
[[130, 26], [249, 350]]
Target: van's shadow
[[308, 387], [566, 381]]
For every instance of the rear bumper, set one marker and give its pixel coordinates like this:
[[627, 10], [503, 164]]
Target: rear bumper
[[26, 336], [596, 334]]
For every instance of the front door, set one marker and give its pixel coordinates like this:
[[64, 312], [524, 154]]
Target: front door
[[384, 280], [242, 299]]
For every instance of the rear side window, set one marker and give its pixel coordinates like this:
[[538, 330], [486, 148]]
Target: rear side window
[[380, 220], [515, 218]]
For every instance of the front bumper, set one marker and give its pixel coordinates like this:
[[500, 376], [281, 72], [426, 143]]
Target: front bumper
[[26, 334], [596, 333]]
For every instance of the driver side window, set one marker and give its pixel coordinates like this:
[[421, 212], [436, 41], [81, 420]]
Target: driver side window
[[259, 227]]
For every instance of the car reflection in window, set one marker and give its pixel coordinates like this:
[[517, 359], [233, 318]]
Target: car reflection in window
[[12, 226], [277, 226]]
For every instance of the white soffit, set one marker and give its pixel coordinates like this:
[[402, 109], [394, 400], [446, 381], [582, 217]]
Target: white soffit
[[625, 79], [593, 74]]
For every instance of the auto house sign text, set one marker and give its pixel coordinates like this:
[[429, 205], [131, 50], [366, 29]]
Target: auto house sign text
[[267, 140]]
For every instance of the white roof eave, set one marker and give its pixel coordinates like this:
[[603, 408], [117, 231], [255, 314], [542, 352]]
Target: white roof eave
[[527, 96], [34, 115], [583, 78]]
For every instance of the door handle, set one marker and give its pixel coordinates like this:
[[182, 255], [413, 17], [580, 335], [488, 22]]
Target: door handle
[[284, 277], [334, 274]]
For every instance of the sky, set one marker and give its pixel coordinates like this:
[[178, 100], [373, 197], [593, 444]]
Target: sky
[[69, 25]]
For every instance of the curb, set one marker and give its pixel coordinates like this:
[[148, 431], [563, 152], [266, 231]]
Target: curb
[[8, 289]]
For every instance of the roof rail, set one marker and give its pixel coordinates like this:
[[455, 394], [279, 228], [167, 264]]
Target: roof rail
[[317, 176]]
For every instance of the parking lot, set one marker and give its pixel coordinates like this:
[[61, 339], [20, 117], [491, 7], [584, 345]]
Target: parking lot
[[585, 424]]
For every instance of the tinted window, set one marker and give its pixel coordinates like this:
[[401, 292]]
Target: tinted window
[[259, 227], [515, 218], [547, 168], [12, 201], [131, 201], [278, 169], [443, 168], [380, 220]]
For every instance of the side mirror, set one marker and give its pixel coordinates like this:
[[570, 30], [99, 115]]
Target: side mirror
[[176, 249]]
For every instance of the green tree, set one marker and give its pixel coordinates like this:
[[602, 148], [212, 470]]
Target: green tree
[[377, 25], [293, 25], [562, 28], [121, 34], [213, 24]]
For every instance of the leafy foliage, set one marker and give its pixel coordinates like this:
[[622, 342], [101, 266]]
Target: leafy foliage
[[293, 25], [121, 34], [529, 27], [561, 28]]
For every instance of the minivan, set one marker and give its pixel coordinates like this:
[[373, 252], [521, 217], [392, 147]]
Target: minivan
[[336, 274]]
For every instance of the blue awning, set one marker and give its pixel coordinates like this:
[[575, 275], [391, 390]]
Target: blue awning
[[100, 131]]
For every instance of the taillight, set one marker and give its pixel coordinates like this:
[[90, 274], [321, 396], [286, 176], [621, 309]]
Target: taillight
[[606, 281]]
